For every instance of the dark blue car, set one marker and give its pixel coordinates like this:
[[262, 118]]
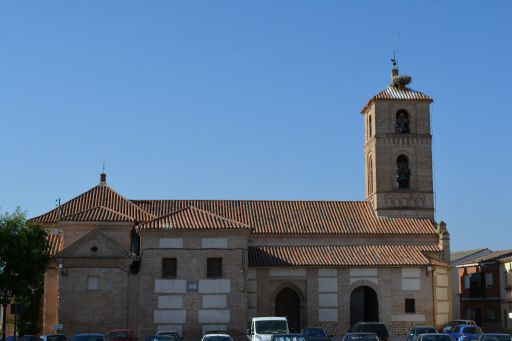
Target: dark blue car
[[465, 332]]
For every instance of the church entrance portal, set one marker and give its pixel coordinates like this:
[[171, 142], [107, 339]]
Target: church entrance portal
[[364, 306], [288, 305]]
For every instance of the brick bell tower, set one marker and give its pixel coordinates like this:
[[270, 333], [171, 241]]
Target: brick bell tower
[[398, 151]]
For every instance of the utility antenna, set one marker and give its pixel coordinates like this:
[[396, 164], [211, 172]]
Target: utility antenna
[[393, 60], [57, 203]]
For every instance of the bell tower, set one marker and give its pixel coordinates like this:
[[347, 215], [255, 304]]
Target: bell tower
[[398, 151]]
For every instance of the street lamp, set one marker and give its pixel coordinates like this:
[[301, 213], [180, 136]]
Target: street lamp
[[5, 299]]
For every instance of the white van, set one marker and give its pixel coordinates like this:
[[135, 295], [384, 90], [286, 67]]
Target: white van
[[262, 328]]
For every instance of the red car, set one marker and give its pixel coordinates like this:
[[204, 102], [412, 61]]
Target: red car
[[120, 335]]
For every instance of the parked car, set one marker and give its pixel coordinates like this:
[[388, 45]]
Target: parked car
[[121, 335], [29, 338], [216, 332], [90, 337], [315, 334], [360, 337], [217, 337], [287, 337], [420, 330], [172, 333], [450, 325], [261, 328], [53, 337], [433, 337], [465, 332], [12, 338], [495, 337], [164, 338], [372, 327]]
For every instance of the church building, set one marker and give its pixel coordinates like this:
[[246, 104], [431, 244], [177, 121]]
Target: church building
[[199, 265]]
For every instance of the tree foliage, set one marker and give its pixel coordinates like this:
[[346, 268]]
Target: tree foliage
[[23, 260]]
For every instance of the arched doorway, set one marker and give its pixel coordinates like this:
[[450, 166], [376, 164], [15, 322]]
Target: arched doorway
[[288, 305], [364, 306]]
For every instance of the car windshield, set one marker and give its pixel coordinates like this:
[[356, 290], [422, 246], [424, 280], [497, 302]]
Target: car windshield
[[216, 338], [472, 330], [88, 338], [362, 338], [289, 338], [497, 338], [378, 329], [425, 330], [455, 329], [119, 335], [56, 338], [462, 322], [439, 337], [164, 338], [271, 327], [314, 332]]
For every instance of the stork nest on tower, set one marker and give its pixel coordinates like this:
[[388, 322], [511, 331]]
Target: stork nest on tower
[[401, 81]]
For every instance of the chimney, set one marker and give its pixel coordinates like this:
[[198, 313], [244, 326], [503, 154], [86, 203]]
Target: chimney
[[103, 179], [444, 240]]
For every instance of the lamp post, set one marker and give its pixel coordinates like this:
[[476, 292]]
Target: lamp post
[[5, 299]]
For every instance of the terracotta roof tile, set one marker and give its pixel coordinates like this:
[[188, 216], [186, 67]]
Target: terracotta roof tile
[[192, 218], [298, 217], [98, 213], [101, 195], [55, 244], [395, 93], [347, 255]]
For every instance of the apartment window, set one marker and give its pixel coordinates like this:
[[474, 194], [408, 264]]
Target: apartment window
[[488, 280], [93, 283], [214, 268], [490, 315], [169, 267], [466, 282], [410, 305]]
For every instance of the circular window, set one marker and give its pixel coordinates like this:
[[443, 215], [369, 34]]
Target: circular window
[[94, 248]]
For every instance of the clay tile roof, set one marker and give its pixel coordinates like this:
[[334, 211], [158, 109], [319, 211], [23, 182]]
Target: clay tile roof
[[346, 255], [298, 217], [55, 244], [98, 213], [192, 218], [101, 195], [395, 93]]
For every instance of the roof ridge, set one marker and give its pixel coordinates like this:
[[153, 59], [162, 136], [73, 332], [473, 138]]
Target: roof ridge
[[93, 196], [252, 200], [196, 210], [96, 207]]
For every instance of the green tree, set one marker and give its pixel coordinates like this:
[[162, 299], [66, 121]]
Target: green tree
[[23, 260]]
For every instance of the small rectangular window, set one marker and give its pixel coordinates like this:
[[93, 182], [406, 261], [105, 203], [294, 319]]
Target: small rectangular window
[[169, 267], [214, 268], [93, 283], [489, 280], [410, 305]]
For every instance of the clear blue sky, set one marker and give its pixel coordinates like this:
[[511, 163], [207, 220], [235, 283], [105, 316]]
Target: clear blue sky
[[250, 100]]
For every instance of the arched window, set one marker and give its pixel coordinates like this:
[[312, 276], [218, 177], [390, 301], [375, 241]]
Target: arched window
[[402, 122], [370, 126], [403, 173]]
